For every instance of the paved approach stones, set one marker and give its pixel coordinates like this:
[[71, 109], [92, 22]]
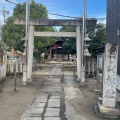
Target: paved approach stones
[[52, 118], [72, 92], [52, 112], [54, 100], [54, 103], [32, 112], [55, 97], [56, 70], [52, 89], [41, 99], [36, 110], [39, 118], [31, 118], [38, 105], [53, 80], [50, 103]]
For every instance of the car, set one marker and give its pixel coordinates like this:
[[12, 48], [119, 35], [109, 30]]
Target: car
[[14, 59]]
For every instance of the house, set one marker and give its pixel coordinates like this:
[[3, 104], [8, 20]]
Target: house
[[1, 56], [113, 28], [55, 50]]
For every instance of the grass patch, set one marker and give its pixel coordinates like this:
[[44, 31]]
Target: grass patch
[[69, 68]]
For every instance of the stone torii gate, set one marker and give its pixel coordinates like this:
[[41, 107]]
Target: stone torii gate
[[54, 22]]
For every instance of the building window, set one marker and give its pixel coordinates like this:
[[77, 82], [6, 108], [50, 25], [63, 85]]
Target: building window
[[118, 32]]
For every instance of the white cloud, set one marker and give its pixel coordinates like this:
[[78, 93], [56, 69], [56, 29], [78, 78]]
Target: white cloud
[[100, 18], [103, 18], [1, 19], [52, 16]]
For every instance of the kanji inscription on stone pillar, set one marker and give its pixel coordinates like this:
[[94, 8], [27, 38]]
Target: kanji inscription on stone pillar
[[110, 73]]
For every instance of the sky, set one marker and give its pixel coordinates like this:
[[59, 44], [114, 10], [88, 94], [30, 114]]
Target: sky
[[74, 8]]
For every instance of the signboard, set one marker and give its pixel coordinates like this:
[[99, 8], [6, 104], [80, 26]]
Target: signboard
[[99, 61]]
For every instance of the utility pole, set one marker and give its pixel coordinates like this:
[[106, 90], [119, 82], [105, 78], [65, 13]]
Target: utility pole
[[82, 46], [7, 11], [0, 31], [4, 16], [25, 69], [4, 13], [26, 42], [84, 29]]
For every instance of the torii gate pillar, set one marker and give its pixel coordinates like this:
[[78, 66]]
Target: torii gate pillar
[[30, 53], [79, 53]]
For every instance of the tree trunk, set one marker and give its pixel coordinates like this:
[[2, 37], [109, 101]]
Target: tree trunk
[[15, 79]]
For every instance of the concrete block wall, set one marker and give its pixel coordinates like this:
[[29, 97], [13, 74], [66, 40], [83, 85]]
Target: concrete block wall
[[113, 24]]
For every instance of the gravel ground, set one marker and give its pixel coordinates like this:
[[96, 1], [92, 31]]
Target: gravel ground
[[13, 104]]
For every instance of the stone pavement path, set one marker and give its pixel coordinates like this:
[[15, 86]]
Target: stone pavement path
[[51, 103], [56, 70]]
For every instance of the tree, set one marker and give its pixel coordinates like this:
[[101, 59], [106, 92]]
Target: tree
[[98, 36], [12, 34], [69, 45]]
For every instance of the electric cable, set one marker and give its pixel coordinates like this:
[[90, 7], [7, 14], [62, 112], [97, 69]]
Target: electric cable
[[60, 14]]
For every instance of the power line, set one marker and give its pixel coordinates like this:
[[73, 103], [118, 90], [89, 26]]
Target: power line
[[4, 13], [75, 17], [62, 15], [11, 2]]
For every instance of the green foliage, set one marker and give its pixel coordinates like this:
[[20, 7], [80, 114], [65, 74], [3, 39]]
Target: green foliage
[[12, 34], [69, 68], [69, 45], [98, 39]]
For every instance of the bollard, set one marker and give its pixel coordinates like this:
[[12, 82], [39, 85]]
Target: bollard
[[82, 75], [24, 75]]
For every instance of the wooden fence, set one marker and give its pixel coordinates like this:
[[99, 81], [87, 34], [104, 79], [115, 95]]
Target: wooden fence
[[10, 68], [14, 66], [90, 68], [2, 71]]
